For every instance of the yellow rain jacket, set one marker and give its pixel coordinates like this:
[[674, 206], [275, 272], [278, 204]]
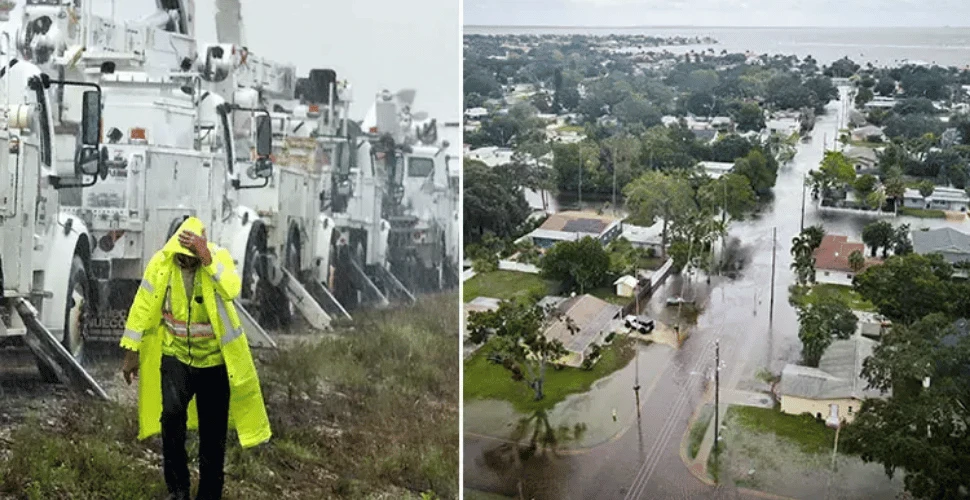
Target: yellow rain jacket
[[145, 333]]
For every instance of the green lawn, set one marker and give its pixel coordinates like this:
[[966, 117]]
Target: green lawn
[[698, 430], [849, 296], [811, 436], [506, 285], [487, 380], [608, 293], [651, 263], [919, 212], [867, 144]]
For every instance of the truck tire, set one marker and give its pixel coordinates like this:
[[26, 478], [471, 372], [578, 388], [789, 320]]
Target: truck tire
[[78, 306]]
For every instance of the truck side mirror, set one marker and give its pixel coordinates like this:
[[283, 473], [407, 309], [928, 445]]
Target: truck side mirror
[[91, 119], [89, 159], [264, 147]]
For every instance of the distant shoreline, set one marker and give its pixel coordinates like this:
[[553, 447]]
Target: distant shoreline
[[674, 26]]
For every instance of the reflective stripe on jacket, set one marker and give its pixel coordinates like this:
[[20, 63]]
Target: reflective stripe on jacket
[[219, 285], [194, 342]]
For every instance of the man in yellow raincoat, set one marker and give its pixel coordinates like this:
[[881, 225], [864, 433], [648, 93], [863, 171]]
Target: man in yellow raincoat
[[186, 341]]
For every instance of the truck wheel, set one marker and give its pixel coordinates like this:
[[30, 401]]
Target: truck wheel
[[77, 308]]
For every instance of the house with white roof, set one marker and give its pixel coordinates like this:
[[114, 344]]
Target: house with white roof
[[943, 198]]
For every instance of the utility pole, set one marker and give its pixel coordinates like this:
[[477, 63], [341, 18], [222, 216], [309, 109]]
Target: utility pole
[[582, 165], [771, 307], [804, 186], [614, 180], [717, 391]]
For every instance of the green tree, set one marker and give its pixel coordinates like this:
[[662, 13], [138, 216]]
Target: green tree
[[886, 87], [906, 288], [516, 334], [731, 193], [864, 185], [878, 234], [657, 195], [492, 202], [759, 171], [728, 148], [837, 167], [875, 200], [901, 242], [750, 118], [702, 80], [820, 322], [863, 96], [919, 429], [582, 265]]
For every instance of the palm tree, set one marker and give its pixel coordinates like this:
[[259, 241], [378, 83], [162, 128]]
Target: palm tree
[[856, 261], [926, 189]]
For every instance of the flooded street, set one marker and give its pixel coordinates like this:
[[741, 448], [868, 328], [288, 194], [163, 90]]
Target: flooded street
[[642, 458]]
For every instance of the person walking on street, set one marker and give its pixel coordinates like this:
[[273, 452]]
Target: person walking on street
[[190, 355]]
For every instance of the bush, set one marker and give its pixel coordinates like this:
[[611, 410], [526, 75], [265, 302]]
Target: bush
[[610, 337], [486, 264]]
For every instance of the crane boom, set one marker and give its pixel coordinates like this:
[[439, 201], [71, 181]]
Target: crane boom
[[229, 22]]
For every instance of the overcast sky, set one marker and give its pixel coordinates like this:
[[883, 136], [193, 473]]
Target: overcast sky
[[718, 12], [376, 44]]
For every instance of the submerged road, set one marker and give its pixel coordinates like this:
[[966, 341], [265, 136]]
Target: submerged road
[[643, 461]]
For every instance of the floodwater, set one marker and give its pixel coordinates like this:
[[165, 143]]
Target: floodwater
[[642, 460]]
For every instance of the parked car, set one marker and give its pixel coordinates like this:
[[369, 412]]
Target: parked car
[[642, 324], [677, 300]]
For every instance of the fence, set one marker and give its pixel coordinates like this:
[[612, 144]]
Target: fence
[[643, 292], [508, 265]]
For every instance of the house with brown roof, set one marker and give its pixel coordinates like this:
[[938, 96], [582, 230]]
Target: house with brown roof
[[574, 226], [832, 260], [593, 319]]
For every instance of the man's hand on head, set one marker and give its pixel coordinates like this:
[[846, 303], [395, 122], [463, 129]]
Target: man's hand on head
[[197, 244]]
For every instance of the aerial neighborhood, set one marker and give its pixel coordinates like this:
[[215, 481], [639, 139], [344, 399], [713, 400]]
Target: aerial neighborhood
[[760, 257]]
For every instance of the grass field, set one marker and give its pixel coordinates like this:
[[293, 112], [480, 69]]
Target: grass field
[[803, 430], [506, 285], [487, 380], [848, 296], [370, 414], [698, 430], [922, 213]]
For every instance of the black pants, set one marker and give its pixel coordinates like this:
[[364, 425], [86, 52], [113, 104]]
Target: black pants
[[210, 386]]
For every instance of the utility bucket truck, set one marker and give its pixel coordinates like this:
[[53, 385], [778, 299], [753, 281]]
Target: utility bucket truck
[[45, 255], [159, 170], [422, 193]]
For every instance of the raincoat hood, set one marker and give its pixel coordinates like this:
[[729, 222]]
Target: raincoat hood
[[173, 246]]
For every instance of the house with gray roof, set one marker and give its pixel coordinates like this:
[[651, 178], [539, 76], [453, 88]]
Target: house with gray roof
[[572, 226], [953, 245], [593, 318], [836, 388]]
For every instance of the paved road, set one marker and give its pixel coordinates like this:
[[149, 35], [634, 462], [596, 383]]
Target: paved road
[[645, 461]]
